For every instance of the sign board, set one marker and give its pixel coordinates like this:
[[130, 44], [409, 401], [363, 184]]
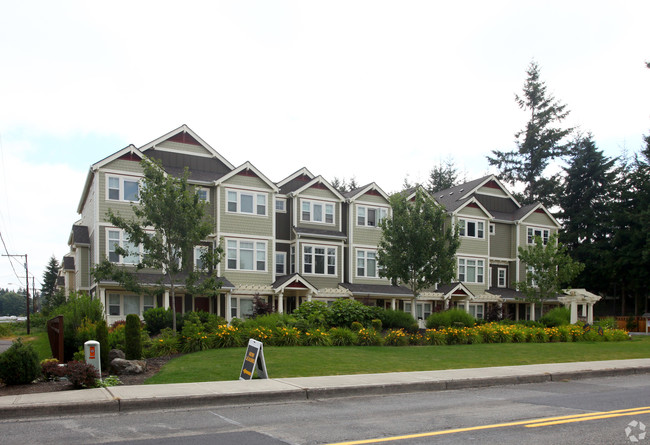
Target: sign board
[[92, 354], [254, 358]]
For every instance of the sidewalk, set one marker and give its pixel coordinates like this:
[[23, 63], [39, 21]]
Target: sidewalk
[[189, 395]]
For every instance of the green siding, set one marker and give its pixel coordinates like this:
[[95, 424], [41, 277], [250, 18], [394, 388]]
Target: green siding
[[539, 218], [362, 234], [477, 289], [318, 193], [252, 225], [323, 281], [492, 191], [248, 278], [369, 198], [121, 207], [124, 166], [501, 245], [246, 181], [472, 246], [472, 212]]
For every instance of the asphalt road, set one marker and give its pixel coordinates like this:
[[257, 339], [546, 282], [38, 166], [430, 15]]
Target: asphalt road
[[496, 415]]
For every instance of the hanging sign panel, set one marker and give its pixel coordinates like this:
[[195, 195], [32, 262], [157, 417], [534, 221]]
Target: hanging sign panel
[[254, 358]]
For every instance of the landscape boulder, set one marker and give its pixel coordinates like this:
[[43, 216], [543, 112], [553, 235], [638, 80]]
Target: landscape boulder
[[121, 366], [115, 353]]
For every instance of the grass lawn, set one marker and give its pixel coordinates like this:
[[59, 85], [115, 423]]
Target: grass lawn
[[225, 364], [37, 338]]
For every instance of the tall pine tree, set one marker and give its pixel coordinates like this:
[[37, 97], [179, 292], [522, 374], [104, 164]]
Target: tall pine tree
[[588, 194], [442, 176], [539, 143], [48, 291]]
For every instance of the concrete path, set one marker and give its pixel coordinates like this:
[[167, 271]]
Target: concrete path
[[4, 345], [211, 394]]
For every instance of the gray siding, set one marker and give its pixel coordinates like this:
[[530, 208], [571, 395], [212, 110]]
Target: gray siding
[[501, 243]]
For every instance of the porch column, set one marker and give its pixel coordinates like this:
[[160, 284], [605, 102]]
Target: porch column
[[532, 311], [590, 313], [393, 303], [166, 300], [102, 298], [281, 303], [309, 295], [446, 304], [574, 311], [516, 311], [228, 308], [467, 306]]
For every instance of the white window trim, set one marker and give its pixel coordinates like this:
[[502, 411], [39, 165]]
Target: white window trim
[[282, 201], [324, 204], [198, 251], [463, 228], [254, 195], [121, 179], [378, 217], [365, 263], [284, 262], [492, 228], [326, 263], [122, 312], [505, 277], [545, 234], [207, 193], [238, 249], [465, 265], [122, 238]]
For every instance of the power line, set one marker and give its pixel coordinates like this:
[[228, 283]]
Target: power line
[[10, 257]]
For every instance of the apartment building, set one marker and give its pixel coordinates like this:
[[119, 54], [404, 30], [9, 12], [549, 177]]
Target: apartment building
[[299, 239]]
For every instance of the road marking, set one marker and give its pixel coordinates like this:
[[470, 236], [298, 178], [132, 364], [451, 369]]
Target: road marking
[[233, 422], [532, 423]]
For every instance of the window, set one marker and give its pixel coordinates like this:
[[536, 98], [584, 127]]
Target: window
[[199, 252], [370, 216], [476, 310], [530, 274], [233, 307], [119, 238], [246, 255], [113, 304], [293, 259], [123, 188], [542, 233], [147, 303], [501, 277], [367, 264], [470, 228], [131, 304], [470, 270], [246, 202], [320, 212], [319, 260], [492, 229], [241, 307], [203, 194], [280, 263], [280, 205]]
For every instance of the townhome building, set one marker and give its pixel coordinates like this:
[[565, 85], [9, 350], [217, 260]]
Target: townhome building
[[299, 239]]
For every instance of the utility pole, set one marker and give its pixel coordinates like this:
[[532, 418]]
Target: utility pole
[[26, 286]]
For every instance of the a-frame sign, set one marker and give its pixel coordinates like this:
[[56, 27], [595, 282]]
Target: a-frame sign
[[254, 358]]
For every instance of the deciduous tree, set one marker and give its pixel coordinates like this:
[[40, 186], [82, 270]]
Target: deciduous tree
[[417, 246]]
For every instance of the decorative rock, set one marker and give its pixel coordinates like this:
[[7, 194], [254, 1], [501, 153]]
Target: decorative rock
[[115, 353], [122, 366]]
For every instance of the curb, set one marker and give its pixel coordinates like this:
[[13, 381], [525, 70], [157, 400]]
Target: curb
[[294, 393]]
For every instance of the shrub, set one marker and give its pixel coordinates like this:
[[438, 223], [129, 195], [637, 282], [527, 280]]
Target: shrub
[[607, 323], [415, 339], [356, 326], [19, 364], [132, 341], [194, 338], [227, 337], [82, 375], [286, 336], [558, 316], [102, 338], [167, 343], [342, 337], [51, 369], [261, 306], [396, 337], [157, 319], [451, 317], [369, 337], [376, 324], [6, 329], [213, 322], [316, 337], [269, 321], [116, 336], [315, 313], [344, 312], [261, 334], [435, 337], [78, 309], [394, 319]]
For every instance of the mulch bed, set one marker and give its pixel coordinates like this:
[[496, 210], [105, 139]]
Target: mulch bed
[[39, 386]]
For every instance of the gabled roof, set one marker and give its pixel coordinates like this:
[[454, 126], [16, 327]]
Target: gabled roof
[[295, 180], [68, 263], [184, 129], [247, 166], [319, 180], [360, 191], [467, 202], [129, 151], [524, 212], [79, 236], [448, 290], [291, 281]]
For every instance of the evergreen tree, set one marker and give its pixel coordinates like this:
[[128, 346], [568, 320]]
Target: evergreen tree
[[416, 248], [587, 202], [50, 277], [442, 176], [539, 143]]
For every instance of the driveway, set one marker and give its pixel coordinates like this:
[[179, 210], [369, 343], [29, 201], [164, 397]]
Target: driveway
[[4, 345]]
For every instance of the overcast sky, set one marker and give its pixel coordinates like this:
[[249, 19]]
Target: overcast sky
[[374, 90]]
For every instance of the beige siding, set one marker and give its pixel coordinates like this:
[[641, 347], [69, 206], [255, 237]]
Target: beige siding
[[477, 289], [472, 212], [246, 181], [320, 226], [492, 191], [188, 148], [124, 166], [121, 207], [501, 243], [323, 281], [371, 199], [473, 246], [319, 193], [82, 268]]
